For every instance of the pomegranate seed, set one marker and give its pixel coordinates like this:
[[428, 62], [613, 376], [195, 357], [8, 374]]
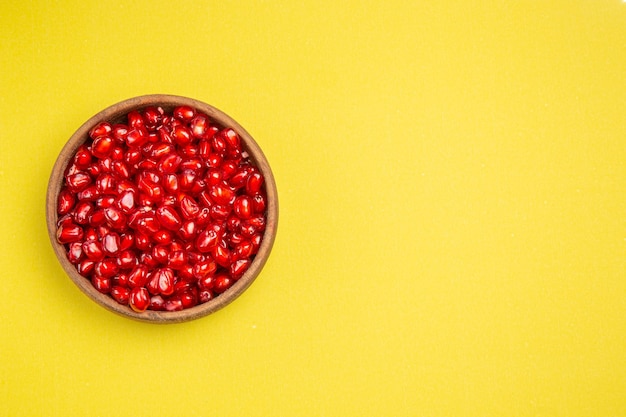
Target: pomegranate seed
[[174, 304], [182, 135], [152, 117], [69, 233], [120, 279], [205, 296], [93, 250], [176, 259], [111, 244], [221, 283], [184, 113], [66, 202], [106, 268], [207, 240], [238, 268], [168, 218], [85, 267], [188, 299], [243, 207], [188, 207], [160, 253], [200, 126], [204, 268], [231, 138], [102, 128], [126, 259], [115, 218], [78, 181], [102, 146], [139, 299], [254, 183], [221, 255], [138, 276], [120, 294], [75, 252], [82, 159], [258, 203], [102, 284], [157, 303], [119, 132]]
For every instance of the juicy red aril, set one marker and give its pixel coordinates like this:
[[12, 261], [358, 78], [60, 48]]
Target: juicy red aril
[[139, 299], [184, 113], [78, 181], [100, 129], [120, 294], [66, 201], [243, 207], [162, 211], [69, 233], [115, 218], [93, 250], [254, 183], [106, 268], [168, 218], [238, 268], [102, 146], [102, 284]]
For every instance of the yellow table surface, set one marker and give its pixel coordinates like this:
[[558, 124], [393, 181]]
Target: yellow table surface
[[452, 234]]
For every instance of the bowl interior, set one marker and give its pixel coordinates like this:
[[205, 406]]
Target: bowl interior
[[117, 114]]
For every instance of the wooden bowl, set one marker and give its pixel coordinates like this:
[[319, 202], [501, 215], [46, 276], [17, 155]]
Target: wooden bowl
[[116, 114]]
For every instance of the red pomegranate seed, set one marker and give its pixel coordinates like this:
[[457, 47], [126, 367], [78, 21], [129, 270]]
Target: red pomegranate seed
[[221, 255], [204, 268], [138, 276], [200, 126], [68, 233], [75, 252], [106, 268], [231, 137], [115, 218], [119, 132], [120, 294], [184, 113], [102, 146], [85, 267], [126, 259], [78, 181], [205, 296], [111, 244], [254, 183], [174, 304], [243, 207], [207, 240], [102, 128], [221, 283], [168, 217], [102, 284], [182, 135], [139, 299], [82, 159], [93, 250], [239, 267], [157, 303]]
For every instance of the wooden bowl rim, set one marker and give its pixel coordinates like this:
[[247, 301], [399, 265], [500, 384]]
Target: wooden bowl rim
[[115, 113]]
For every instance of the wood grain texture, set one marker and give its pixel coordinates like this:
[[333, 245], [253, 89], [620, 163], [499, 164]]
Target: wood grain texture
[[116, 114]]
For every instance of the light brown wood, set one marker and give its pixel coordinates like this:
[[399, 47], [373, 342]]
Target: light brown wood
[[116, 113]]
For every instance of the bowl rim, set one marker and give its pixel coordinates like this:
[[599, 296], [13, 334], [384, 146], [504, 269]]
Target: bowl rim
[[115, 113]]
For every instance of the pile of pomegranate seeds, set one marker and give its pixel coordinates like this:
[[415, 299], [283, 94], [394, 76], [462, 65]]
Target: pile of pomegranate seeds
[[163, 212]]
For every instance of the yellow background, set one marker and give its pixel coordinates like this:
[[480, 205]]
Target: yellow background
[[452, 235]]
